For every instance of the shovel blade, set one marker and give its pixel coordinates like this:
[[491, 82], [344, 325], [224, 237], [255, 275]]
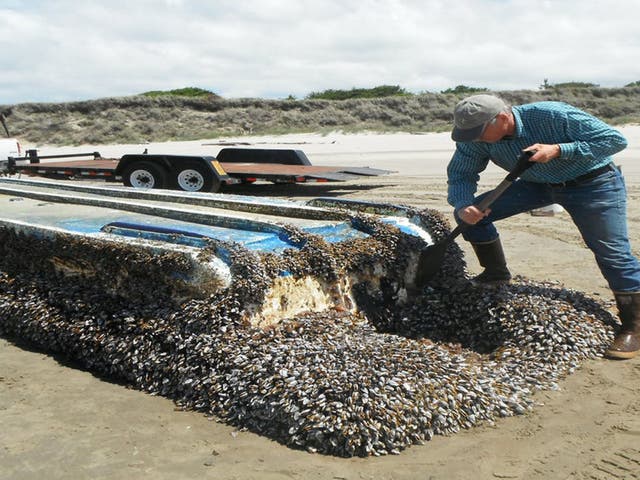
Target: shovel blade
[[429, 262]]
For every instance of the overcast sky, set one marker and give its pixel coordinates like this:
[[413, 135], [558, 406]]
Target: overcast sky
[[66, 50]]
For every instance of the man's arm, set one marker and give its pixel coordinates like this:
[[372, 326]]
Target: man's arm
[[585, 137], [463, 173], [592, 138]]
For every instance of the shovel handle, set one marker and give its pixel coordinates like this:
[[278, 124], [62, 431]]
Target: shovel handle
[[522, 165], [431, 257]]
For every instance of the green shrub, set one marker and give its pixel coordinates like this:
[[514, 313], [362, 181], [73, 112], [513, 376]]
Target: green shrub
[[463, 89], [375, 92], [180, 92]]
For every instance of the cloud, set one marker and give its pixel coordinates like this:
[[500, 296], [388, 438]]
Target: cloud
[[68, 50]]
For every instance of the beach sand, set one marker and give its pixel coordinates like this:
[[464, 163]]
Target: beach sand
[[57, 421]]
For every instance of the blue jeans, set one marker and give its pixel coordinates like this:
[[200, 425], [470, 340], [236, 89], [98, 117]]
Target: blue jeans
[[597, 207]]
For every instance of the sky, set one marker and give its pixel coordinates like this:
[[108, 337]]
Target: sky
[[68, 50]]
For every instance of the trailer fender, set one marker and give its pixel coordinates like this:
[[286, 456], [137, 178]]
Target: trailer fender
[[263, 155]]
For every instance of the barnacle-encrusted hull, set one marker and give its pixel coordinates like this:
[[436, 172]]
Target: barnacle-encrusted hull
[[315, 344]]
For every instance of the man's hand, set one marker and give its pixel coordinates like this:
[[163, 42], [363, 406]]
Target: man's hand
[[472, 215], [543, 152]]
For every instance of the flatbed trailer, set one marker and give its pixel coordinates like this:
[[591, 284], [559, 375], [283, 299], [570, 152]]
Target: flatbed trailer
[[188, 172]]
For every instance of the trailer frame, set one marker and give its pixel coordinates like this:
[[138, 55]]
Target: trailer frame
[[188, 172]]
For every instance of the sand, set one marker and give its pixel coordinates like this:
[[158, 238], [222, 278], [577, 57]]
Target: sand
[[57, 421]]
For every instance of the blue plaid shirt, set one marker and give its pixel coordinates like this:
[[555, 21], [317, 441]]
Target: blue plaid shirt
[[586, 143]]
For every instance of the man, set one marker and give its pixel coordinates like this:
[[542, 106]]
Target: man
[[574, 168]]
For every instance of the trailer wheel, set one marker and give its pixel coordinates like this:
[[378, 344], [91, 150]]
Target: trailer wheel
[[144, 175], [195, 177]]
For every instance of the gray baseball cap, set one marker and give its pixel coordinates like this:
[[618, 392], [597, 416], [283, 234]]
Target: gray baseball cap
[[472, 114]]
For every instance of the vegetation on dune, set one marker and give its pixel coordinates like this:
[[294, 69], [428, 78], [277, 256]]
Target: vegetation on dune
[[465, 90], [375, 92], [181, 92], [193, 113]]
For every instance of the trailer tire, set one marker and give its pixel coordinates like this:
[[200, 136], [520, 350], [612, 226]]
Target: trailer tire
[[144, 175], [196, 177]]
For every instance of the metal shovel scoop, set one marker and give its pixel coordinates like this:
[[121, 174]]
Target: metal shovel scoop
[[431, 258]]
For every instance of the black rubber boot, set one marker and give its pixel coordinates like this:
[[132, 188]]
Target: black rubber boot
[[626, 344], [491, 257]]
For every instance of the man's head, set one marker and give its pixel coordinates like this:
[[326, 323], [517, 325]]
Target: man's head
[[474, 114]]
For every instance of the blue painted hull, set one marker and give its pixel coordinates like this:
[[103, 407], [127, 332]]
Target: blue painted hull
[[81, 221]]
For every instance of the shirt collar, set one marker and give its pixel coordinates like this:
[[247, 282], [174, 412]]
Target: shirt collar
[[519, 127], [519, 131]]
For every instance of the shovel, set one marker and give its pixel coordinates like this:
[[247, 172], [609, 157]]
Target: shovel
[[431, 257]]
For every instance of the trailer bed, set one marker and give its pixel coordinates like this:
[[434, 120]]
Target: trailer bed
[[246, 172]]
